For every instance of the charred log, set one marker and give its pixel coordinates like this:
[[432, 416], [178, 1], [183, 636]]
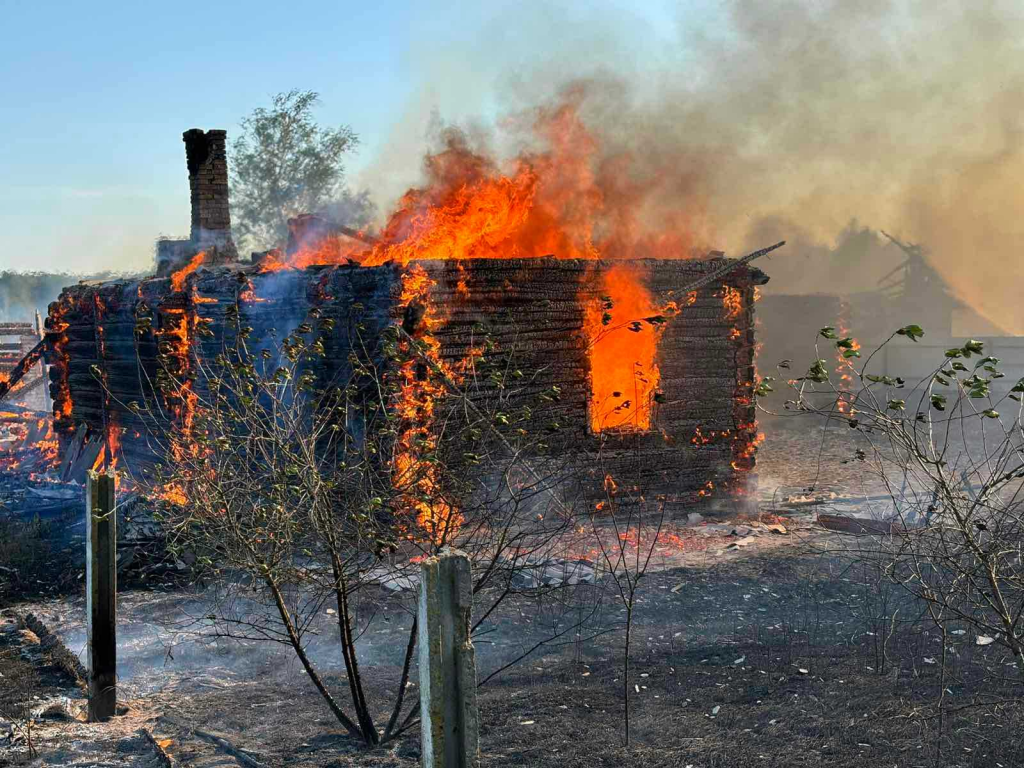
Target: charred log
[[534, 310]]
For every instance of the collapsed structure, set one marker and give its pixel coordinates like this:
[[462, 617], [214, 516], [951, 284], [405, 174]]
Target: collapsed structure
[[17, 341], [649, 352]]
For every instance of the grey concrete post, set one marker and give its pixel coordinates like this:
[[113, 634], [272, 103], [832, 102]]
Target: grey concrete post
[[101, 594], [450, 723]]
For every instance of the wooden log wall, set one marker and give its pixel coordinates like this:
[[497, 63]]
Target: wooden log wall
[[533, 309], [705, 359]]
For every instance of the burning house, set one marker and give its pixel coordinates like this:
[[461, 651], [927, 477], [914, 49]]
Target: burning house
[[650, 351]]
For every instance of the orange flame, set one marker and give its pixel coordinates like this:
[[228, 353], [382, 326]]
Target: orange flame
[[845, 369], [623, 373], [173, 494], [178, 278], [113, 445], [62, 403], [567, 202], [100, 457], [417, 400], [733, 302], [182, 399]]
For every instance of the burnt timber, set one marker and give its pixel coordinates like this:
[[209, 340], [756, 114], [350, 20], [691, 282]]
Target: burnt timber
[[100, 363]]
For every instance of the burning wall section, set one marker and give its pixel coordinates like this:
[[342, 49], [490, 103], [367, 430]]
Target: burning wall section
[[685, 360]]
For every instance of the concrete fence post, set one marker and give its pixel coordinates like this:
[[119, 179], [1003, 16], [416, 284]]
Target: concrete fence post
[[450, 723], [101, 594]]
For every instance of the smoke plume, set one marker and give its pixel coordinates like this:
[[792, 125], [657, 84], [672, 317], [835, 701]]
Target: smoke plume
[[796, 119]]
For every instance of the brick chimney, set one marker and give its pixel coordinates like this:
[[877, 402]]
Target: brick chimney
[[206, 154]]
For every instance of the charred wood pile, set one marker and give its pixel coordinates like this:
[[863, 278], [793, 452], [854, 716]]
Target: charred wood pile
[[28, 447], [22, 372]]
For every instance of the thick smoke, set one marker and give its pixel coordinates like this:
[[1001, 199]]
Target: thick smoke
[[795, 119]]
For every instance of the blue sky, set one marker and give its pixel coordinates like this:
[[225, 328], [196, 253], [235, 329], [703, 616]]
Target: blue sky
[[96, 95]]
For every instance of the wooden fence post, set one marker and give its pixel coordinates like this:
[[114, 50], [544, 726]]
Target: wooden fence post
[[449, 720], [101, 594]]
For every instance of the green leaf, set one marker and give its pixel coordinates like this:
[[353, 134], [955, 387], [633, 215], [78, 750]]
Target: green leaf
[[987, 361], [845, 343], [897, 405], [954, 352], [912, 332], [764, 386], [973, 346], [939, 402], [828, 332], [990, 413], [977, 386], [817, 372], [848, 353], [958, 366]]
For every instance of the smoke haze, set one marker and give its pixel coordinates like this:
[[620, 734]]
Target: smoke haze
[[809, 121]]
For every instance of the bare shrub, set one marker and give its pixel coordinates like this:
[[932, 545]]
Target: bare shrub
[[949, 451], [294, 497]]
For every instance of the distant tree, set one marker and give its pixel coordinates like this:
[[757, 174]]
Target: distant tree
[[284, 164]]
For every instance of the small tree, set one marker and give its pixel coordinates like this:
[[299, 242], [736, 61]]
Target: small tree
[[284, 164], [950, 453], [290, 492]]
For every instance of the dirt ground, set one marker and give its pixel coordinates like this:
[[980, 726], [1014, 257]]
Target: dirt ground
[[750, 647]]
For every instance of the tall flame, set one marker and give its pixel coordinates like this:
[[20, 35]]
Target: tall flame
[[567, 202], [846, 370], [181, 397], [623, 371], [419, 394]]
